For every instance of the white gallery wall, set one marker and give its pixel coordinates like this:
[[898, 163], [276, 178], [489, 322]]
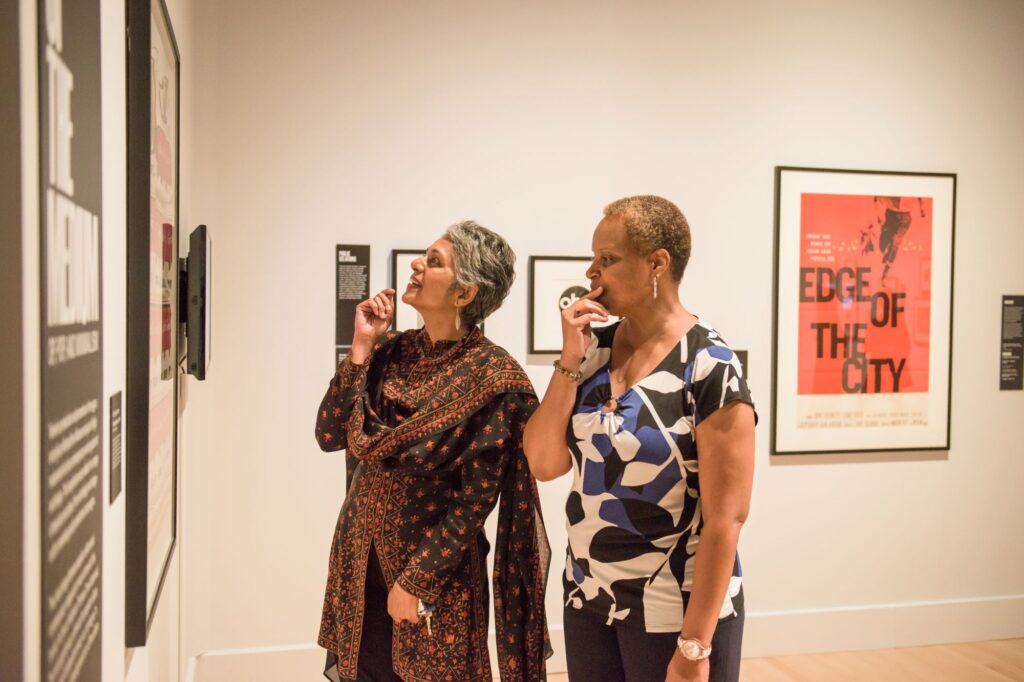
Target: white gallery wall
[[159, 660], [320, 122]]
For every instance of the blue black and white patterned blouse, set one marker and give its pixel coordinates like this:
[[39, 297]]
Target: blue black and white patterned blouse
[[633, 513]]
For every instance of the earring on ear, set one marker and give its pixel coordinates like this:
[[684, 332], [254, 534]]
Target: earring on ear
[[656, 287], [458, 319]]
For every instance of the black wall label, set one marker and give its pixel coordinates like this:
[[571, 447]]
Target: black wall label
[[115, 446], [352, 286], [1011, 359]]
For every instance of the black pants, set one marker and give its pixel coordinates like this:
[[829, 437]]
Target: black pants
[[375, 646], [596, 652]]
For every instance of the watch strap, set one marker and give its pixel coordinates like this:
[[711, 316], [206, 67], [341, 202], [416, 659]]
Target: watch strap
[[692, 649]]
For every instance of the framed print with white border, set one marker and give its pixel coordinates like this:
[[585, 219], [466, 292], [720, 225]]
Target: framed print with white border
[[862, 310], [556, 282], [406, 316]]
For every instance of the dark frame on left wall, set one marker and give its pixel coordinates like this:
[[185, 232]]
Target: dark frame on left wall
[[153, 356], [12, 425]]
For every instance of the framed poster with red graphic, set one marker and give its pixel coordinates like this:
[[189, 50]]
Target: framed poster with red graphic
[[863, 310], [152, 365]]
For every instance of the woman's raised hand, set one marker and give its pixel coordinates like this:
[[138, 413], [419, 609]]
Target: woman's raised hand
[[373, 317], [576, 327]]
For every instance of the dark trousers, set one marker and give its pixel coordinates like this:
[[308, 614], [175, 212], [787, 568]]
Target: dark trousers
[[606, 653], [375, 646]]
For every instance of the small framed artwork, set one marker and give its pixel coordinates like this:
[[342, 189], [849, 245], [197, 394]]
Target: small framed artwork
[[406, 316], [742, 355], [556, 282], [862, 310]]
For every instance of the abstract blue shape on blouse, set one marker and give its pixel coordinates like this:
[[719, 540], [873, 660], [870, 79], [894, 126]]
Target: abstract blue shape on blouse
[[722, 353], [614, 512], [654, 449]]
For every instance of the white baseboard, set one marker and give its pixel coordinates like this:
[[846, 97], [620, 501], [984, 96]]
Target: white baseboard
[[300, 662], [882, 626], [296, 663], [767, 633]]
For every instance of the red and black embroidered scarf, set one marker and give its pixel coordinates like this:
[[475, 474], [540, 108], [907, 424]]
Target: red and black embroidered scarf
[[450, 382]]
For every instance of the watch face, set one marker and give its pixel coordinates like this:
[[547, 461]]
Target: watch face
[[691, 649]]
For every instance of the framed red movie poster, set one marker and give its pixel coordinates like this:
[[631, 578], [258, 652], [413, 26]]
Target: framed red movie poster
[[153, 352], [863, 310]]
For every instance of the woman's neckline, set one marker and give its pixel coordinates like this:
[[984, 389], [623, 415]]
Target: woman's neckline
[[606, 368], [434, 350]]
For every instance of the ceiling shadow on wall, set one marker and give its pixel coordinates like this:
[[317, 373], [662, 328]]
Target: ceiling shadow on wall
[[540, 359], [860, 457]]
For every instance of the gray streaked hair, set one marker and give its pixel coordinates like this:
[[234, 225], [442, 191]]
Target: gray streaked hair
[[485, 259]]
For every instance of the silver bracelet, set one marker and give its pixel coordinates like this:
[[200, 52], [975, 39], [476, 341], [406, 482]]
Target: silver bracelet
[[575, 376]]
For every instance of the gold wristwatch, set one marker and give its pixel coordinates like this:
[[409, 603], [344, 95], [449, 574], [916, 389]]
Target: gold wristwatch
[[693, 649]]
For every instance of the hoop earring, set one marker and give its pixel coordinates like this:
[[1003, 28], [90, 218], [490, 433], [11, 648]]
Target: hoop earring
[[656, 287]]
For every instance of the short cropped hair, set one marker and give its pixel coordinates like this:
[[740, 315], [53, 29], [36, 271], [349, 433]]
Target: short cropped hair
[[654, 223], [485, 259]]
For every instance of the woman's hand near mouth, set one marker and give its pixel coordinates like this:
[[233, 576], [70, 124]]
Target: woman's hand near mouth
[[373, 317]]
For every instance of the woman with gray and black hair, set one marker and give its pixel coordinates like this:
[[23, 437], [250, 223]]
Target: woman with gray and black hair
[[484, 262], [432, 422]]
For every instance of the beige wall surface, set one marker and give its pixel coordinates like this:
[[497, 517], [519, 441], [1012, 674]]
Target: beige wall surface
[[324, 122], [29, 245]]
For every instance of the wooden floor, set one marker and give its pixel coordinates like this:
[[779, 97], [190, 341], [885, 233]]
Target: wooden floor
[[1000, 661]]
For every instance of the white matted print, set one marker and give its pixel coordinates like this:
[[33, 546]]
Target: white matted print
[[406, 316], [556, 282]]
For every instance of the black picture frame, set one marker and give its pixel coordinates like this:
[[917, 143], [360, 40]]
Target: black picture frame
[[12, 425], [809, 419], [145, 574], [552, 279], [405, 317]]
